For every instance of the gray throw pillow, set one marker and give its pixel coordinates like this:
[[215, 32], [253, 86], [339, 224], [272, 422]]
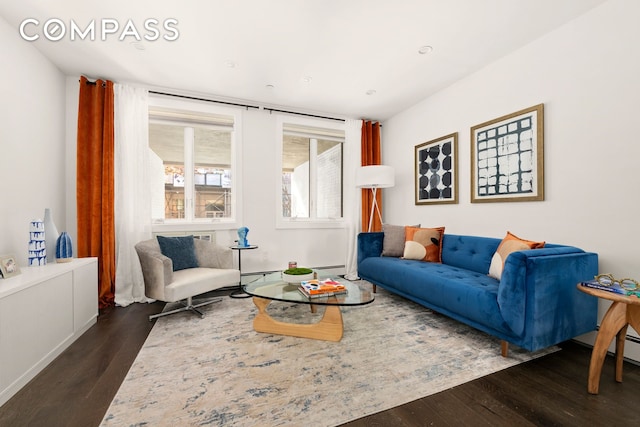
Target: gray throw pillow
[[181, 250], [393, 240]]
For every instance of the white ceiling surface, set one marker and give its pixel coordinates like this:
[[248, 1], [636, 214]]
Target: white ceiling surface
[[346, 47]]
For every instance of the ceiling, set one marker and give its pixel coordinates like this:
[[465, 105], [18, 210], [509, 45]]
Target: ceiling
[[342, 58]]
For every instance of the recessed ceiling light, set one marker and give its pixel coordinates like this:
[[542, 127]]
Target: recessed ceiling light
[[371, 92], [425, 49], [230, 64], [270, 86], [307, 79]]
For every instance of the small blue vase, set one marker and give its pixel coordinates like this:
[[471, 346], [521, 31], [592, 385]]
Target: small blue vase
[[64, 249]]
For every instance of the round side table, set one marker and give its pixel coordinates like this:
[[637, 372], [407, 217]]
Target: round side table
[[624, 311], [239, 293]]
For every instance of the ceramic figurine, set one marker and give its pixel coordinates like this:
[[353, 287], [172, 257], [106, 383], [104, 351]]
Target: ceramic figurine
[[242, 237]]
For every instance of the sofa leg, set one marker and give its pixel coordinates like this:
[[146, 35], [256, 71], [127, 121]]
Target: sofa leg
[[504, 348], [374, 288]]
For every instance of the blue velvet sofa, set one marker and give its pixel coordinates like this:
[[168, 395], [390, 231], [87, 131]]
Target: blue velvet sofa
[[534, 305]]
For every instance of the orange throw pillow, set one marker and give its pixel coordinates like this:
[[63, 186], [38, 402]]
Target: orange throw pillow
[[423, 244], [511, 243]]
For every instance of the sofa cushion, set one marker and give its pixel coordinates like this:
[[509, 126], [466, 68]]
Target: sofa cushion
[[423, 244], [511, 243], [393, 240], [180, 249]]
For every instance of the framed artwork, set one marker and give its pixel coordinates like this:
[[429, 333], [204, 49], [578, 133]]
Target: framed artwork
[[9, 266], [436, 174], [507, 158]]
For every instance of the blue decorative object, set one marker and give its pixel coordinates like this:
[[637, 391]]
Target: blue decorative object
[[181, 250], [64, 249], [37, 244], [242, 237]]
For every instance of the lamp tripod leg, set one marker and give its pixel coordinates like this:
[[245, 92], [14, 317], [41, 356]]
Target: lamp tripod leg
[[374, 205]]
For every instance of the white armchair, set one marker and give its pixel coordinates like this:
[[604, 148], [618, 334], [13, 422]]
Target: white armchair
[[215, 270]]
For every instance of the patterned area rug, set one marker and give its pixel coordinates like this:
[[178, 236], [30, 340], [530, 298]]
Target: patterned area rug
[[218, 371]]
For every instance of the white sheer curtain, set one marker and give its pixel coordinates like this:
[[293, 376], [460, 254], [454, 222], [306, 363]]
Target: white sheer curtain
[[352, 194], [132, 195]]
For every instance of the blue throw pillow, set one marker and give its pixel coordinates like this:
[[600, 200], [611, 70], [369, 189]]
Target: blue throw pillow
[[181, 250]]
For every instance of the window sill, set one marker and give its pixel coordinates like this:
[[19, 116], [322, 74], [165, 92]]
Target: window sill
[[282, 223], [173, 225]]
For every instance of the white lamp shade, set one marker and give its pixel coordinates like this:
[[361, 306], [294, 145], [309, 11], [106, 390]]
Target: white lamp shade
[[375, 176]]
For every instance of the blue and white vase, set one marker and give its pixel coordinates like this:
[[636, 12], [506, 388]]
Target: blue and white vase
[[37, 244], [64, 249]]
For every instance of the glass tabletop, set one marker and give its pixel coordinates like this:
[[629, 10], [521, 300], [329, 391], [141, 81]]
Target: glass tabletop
[[271, 286]]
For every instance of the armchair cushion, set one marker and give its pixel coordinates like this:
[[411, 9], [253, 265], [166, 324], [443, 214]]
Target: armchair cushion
[[181, 250]]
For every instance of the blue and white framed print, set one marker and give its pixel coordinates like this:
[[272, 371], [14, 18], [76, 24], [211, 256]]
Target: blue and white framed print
[[507, 158]]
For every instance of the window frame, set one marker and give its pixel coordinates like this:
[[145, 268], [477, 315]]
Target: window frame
[[308, 223], [200, 106]]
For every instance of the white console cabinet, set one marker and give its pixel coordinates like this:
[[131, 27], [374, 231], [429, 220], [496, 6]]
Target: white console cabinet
[[42, 311]]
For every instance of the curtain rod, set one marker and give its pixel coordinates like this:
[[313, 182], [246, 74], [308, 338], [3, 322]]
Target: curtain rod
[[303, 114], [204, 99], [93, 83], [247, 106]]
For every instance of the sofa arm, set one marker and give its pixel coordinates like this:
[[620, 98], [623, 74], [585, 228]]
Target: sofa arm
[[369, 245], [157, 271], [537, 295]]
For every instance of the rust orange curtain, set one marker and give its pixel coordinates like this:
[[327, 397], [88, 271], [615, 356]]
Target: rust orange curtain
[[95, 183], [370, 155]]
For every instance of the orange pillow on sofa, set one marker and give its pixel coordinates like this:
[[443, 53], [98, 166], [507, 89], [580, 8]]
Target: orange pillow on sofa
[[423, 244], [511, 243]]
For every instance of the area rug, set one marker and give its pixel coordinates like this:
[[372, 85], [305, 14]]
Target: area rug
[[217, 371]]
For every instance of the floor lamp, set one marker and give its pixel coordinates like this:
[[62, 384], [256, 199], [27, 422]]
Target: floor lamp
[[374, 177]]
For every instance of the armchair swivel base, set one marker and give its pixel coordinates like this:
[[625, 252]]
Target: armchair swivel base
[[187, 305]]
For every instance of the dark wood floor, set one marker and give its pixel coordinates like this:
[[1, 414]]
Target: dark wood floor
[[77, 388]]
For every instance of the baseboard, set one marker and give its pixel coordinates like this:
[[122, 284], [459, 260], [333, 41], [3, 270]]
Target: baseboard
[[631, 346]]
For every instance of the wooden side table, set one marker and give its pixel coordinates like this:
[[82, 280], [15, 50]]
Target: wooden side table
[[624, 311]]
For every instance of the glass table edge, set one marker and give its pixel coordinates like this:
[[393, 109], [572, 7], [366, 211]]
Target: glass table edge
[[306, 300]]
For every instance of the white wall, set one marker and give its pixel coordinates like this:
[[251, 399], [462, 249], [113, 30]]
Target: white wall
[[586, 74], [32, 149]]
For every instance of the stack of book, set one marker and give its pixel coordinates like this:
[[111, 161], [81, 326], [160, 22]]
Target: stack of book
[[614, 287], [321, 288]]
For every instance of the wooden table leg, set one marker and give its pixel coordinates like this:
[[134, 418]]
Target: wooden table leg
[[620, 339], [329, 328], [633, 319], [612, 324]]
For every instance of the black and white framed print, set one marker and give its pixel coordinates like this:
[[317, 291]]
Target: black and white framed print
[[436, 175], [507, 158]]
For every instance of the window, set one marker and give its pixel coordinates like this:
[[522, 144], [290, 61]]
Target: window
[[193, 146], [310, 188]]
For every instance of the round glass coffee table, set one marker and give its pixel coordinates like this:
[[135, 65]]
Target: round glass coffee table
[[271, 287]]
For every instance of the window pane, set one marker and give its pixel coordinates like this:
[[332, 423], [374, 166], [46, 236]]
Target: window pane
[[329, 179], [212, 176], [167, 169], [295, 177]]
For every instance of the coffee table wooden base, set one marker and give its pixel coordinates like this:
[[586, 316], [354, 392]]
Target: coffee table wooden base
[[329, 328]]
